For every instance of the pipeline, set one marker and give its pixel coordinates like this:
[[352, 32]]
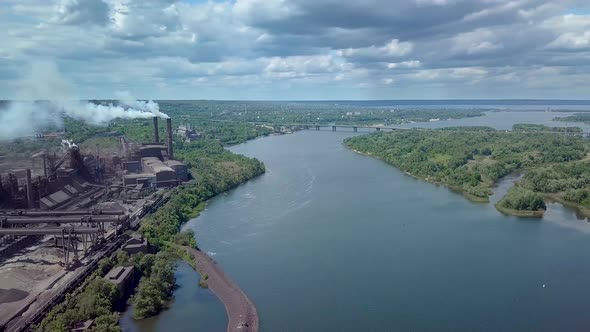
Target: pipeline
[[63, 220], [48, 231], [28, 213]]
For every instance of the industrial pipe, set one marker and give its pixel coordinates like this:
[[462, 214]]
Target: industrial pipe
[[156, 132], [48, 231], [63, 220], [169, 141], [30, 196], [27, 213]]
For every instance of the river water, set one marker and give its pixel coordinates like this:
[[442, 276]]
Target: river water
[[329, 240]]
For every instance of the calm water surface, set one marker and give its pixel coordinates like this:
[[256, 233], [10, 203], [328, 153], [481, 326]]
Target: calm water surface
[[328, 240], [182, 317]]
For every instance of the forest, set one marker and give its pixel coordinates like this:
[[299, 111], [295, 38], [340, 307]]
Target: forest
[[471, 160]]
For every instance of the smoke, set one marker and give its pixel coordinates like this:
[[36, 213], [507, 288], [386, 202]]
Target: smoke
[[67, 144], [44, 82], [127, 99], [22, 119]]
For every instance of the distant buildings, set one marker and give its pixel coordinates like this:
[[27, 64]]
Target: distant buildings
[[187, 133], [149, 166]]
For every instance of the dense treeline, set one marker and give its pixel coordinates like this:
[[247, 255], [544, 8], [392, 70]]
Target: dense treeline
[[538, 127], [156, 284], [95, 301], [469, 160], [307, 112], [571, 182]]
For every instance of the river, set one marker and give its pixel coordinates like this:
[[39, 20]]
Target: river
[[329, 240]]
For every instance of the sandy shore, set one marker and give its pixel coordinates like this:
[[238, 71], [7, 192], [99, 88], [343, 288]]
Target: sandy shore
[[241, 312]]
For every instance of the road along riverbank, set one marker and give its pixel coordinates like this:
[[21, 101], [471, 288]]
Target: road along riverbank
[[241, 311]]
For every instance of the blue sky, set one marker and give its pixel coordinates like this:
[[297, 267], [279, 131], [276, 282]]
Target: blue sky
[[300, 49]]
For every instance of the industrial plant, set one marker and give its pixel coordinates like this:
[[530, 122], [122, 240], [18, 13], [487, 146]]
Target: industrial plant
[[63, 210]]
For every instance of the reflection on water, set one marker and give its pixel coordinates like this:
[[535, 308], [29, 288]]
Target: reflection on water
[[501, 188], [556, 212], [205, 312]]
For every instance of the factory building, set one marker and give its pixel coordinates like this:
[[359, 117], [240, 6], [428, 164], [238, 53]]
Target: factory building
[[187, 133], [180, 169], [151, 164], [122, 277]]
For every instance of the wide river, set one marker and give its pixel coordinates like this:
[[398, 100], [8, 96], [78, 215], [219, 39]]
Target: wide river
[[329, 240]]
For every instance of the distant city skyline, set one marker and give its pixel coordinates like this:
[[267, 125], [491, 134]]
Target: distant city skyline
[[296, 50]]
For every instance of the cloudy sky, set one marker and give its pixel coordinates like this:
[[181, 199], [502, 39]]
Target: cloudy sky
[[302, 49]]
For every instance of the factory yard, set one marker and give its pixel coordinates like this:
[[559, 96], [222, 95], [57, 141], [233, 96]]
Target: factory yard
[[62, 210], [30, 275]]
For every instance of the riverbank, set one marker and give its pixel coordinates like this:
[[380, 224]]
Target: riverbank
[[470, 197], [558, 198], [472, 160], [241, 311]]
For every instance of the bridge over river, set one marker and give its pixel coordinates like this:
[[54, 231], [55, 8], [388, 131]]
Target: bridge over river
[[355, 128]]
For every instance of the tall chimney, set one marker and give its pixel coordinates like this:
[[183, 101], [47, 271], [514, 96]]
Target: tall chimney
[[169, 143], [30, 197], [156, 133]]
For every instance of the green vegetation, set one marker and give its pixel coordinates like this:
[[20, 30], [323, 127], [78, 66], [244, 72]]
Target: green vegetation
[[522, 202], [537, 127], [277, 113], [471, 160], [156, 284], [567, 183], [95, 301]]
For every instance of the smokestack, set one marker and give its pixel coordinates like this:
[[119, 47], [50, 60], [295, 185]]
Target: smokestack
[[45, 163], [30, 198], [156, 133], [169, 132]]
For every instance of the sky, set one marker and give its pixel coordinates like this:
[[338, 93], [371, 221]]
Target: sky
[[300, 49]]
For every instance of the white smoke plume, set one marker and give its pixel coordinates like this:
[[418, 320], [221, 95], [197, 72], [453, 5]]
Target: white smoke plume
[[44, 82], [127, 99], [67, 144]]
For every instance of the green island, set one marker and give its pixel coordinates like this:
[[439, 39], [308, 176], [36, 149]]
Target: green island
[[471, 160], [578, 117]]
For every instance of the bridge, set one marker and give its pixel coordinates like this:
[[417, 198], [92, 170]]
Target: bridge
[[355, 129]]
